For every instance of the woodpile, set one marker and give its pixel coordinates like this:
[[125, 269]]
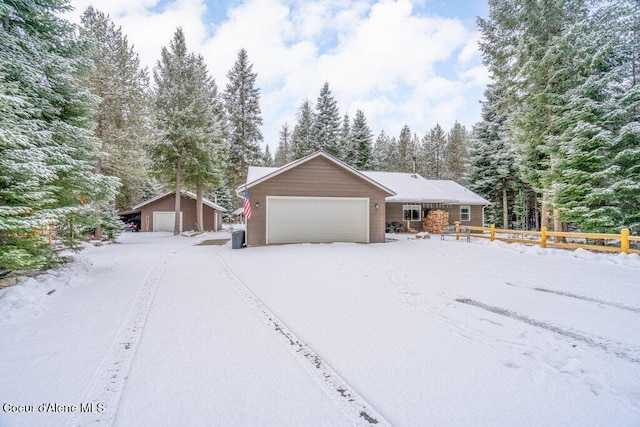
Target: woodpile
[[435, 221]]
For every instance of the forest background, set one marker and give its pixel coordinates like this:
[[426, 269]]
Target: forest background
[[86, 132]]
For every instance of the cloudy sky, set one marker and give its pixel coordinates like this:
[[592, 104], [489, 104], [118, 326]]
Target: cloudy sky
[[400, 62]]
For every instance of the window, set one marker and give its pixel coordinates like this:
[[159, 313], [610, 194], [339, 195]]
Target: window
[[411, 212], [465, 213]]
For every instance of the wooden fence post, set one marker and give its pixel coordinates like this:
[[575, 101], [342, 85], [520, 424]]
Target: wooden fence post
[[457, 223], [493, 232], [543, 237], [624, 240]]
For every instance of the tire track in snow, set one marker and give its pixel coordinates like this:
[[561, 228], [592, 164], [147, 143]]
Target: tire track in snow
[[581, 297], [592, 342], [352, 404], [108, 381]]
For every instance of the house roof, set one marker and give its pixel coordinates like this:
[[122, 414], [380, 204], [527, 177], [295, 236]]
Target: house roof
[[186, 193], [256, 175], [413, 188]]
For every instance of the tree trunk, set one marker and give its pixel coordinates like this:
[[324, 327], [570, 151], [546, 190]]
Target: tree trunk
[[199, 215], [505, 206], [544, 208], [97, 234], [176, 225], [558, 225]]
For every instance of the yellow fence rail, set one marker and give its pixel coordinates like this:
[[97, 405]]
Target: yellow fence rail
[[555, 239]]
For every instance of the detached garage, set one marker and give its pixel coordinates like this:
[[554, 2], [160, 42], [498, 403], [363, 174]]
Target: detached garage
[[158, 214], [316, 199]]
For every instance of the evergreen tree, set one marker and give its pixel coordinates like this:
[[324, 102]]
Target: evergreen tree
[[283, 153], [456, 154], [361, 141], [302, 139], [47, 151], [188, 120], [433, 148], [405, 152], [242, 100], [326, 127], [493, 170], [122, 115], [267, 159], [347, 149], [383, 155]]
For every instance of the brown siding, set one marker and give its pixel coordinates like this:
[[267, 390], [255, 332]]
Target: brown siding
[[317, 177], [188, 208], [394, 213]]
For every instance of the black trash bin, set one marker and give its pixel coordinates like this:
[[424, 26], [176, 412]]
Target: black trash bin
[[237, 239]]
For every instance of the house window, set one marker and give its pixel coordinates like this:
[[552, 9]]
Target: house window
[[411, 212], [465, 213]]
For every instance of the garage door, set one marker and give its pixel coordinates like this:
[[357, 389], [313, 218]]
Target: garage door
[[317, 219], [164, 221]]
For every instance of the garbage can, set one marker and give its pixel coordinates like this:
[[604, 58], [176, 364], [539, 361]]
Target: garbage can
[[237, 239]]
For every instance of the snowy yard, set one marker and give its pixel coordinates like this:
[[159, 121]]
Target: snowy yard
[[156, 330]]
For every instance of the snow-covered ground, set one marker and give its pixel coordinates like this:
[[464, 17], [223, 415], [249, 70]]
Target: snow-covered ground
[[156, 330]]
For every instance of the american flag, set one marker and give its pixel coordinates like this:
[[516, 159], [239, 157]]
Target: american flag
[[246, 210]]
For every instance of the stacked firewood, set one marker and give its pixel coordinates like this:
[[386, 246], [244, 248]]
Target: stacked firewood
[[435, 221]]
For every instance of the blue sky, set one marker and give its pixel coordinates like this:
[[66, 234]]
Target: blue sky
[[399, 61]]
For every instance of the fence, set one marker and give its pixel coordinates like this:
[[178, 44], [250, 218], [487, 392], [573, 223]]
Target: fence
[[621, 242]]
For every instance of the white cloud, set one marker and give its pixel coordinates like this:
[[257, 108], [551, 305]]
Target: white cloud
[[382, 56]]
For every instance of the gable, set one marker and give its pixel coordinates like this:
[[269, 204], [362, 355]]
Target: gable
[[313, 166]]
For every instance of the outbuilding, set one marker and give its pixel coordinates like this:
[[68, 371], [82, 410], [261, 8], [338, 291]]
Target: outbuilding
[[158, 213], [315, 199]]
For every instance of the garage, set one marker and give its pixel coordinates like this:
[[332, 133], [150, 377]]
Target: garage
[[317, 219], [165, 221], [315, 199]]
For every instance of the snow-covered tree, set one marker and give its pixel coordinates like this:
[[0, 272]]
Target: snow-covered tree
[[383, 154], [302, 139], [242, 100], [432, 153], [326, 128], [267, 158], [361, 140], [283, 153], [406, 150], [493, 169], [456, 154], [122, 116], [47, 151], [189, 122], [346, 147]]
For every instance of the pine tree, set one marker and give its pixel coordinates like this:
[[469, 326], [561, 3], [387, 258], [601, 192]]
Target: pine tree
[[242, 100], [47, 151], [283, 153], [456, 154], [346, 148], [432, 153], [188, 118], [493, 169], [361, 137], [267, 159], [326, 129], [122, 115], [405, 152], [302, 139], [384, 154]]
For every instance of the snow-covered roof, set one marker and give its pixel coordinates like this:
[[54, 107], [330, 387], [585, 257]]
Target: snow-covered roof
[[186, 193], [463, 195], [256, 175], [411, 188]]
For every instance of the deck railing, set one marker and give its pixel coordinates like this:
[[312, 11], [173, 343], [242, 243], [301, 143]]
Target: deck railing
[[556, 239]]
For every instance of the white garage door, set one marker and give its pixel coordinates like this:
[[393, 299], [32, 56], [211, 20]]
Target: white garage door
[[317, 219], [164, 221]]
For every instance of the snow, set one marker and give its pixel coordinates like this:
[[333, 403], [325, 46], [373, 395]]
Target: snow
[[163, 331]]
